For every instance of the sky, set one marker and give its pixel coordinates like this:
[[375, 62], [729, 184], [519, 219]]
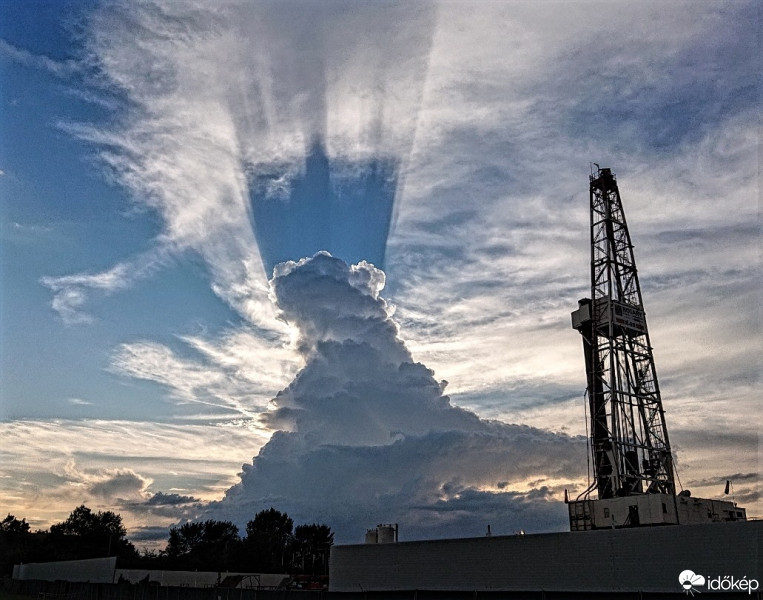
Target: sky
[[321, 256]]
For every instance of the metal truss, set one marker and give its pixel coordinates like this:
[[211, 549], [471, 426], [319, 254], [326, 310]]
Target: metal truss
[[629, 441]]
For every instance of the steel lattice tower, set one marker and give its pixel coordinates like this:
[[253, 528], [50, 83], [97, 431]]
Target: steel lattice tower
[[629, 441]]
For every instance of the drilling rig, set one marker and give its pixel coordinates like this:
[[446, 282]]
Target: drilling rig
[[633, 473]]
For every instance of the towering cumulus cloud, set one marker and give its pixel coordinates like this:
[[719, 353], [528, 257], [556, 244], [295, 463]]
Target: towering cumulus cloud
[[365, 434]]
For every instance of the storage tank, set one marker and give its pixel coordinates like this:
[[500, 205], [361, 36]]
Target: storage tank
[[386, 533]]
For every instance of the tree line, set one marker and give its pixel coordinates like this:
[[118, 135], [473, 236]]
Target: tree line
[[271, 544]]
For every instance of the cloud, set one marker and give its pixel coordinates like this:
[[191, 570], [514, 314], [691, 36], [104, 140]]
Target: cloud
[[119, 465], [79, 402], [62, 69], [747, 497], [235, 372], [106, 484], [222, 98], [161, 499], [151, 534], [169, 509], [71, 292], [365, 433], [174, 148], [239, 91], [118, 485], [735, 477], [491, 249]]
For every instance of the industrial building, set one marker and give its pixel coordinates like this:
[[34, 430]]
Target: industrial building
[[638, 559]]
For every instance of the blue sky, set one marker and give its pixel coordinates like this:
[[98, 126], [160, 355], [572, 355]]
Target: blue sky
[[160, 159]]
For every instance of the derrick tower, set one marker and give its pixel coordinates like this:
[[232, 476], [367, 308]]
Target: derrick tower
[[633, 473], [629, 441]]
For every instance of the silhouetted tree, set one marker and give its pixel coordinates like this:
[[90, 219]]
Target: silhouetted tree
[[16, 543], [268, 538], [311, 547], [271, 544], [84, 522], [209, 545], [85, 534], [12, 526]]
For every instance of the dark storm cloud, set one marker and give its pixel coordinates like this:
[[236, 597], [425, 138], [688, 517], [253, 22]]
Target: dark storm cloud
[[745, 496], [162, 499], [149, 534], [172, 506], [122, 482], [735, 477]]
